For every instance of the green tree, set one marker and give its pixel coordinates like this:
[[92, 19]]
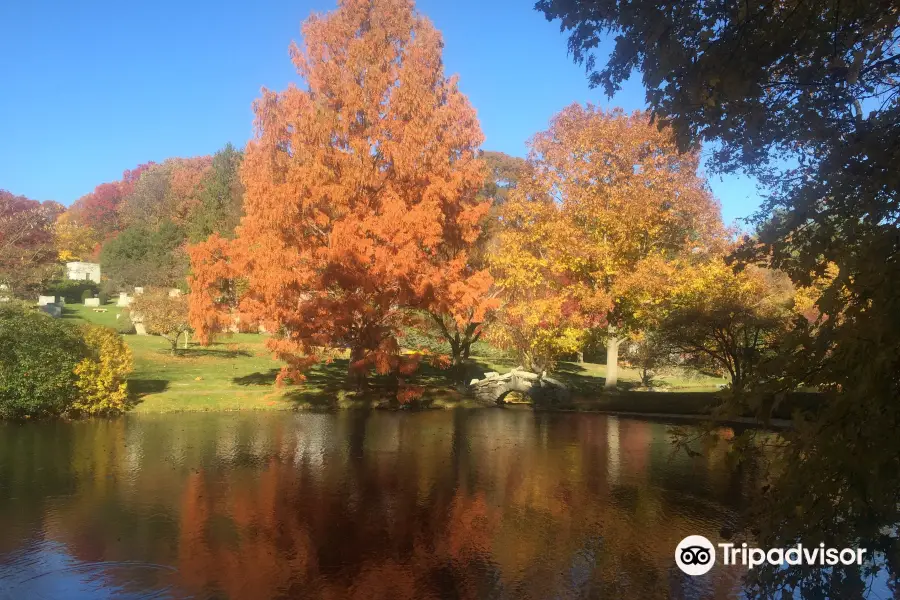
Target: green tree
[[504, 172], [144, 256], [221, 197]]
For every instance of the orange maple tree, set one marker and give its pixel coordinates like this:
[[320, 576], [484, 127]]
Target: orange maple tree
[[360, 196]]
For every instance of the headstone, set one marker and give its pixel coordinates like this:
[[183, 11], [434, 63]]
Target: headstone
[[94, 302], [124, 299], [174, 293], [54, 310], [138, 290], [45, 300]]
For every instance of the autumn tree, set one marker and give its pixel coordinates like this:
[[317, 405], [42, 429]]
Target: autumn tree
[[75, 240], [622, 197], [729, 321], [150, 201], [804, 95], [540, 317], [162, 314], [360, 191], [27, 253], [465, 305], [100, 209]]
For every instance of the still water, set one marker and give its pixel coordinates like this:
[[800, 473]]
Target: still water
[[469, 504]]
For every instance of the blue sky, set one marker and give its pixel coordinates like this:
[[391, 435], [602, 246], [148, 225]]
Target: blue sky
[[89, 89]]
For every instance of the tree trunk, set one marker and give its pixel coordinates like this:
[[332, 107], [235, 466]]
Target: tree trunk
[[357, 377], [612, 360], [174, 342]]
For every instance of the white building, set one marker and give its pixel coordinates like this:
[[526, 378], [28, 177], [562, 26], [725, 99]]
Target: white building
[[83, 271]]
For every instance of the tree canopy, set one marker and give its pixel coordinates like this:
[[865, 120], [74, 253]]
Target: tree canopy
[[360, 191]]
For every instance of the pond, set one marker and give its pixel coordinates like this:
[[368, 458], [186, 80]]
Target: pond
[[465, 504]]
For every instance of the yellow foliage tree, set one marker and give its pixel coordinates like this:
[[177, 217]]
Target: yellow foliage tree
[[75, 240], [532, 261], [101, 376], [608, 197], [729, 320]]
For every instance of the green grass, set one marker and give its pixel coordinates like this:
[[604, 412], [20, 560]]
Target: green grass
[[238, 373]]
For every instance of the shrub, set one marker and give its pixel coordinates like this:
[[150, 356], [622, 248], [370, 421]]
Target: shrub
[[71, 291], [163, 315], [86, 294], [124, 324], [101, 375], [38, 356]]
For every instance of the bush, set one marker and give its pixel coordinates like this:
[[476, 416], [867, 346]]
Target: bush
[[124, 324], [101, 375], [72, 291], [38, 356], [86, 294]]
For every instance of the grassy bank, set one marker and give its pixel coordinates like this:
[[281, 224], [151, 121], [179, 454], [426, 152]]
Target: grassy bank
[[238, 373]]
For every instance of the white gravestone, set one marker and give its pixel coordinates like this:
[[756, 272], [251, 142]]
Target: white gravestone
[[124, 299], [45, 300], [94, 302]]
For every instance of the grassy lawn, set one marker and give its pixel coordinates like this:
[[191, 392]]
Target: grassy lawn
[[238, 373]]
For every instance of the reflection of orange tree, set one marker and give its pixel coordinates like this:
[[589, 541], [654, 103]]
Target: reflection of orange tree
[[370, 506]]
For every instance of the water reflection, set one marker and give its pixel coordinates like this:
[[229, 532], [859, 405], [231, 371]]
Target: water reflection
[[483, 504]]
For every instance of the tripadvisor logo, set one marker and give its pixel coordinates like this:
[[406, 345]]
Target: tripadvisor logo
[[696, 555]]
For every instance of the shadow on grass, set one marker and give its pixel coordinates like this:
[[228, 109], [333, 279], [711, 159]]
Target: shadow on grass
[[213, 352], [264, 379], [138, 388], [570, 368]]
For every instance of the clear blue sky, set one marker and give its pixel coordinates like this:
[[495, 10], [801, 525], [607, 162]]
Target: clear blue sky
[[89, 89]]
